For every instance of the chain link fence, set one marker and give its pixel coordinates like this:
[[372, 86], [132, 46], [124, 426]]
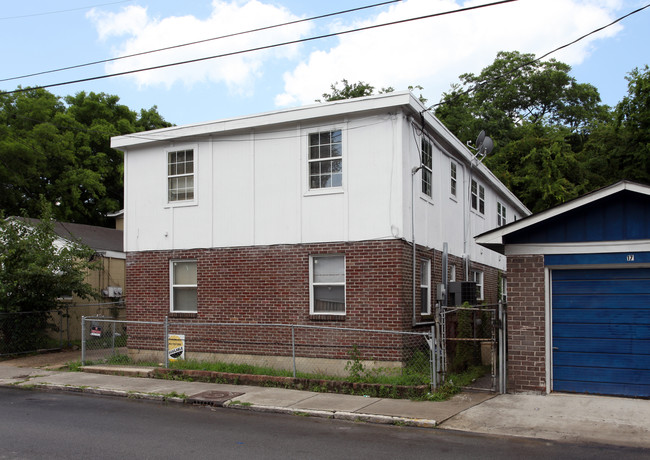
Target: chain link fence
[[303, 351], [34, 331]]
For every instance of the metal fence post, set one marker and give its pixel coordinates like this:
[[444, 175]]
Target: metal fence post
[[113, 339], [166, 342], [83, 340], [502, 348], [293, 350], [433, 352]]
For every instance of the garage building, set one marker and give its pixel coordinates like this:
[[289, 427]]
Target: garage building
[[578, 293]]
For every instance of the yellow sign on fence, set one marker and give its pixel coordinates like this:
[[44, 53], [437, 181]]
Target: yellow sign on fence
[[175, 347]]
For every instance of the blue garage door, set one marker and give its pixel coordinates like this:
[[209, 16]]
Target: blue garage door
[[601, 331]]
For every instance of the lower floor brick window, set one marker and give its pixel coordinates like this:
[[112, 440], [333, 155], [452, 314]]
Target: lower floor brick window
[[183, 293], [327, 284]]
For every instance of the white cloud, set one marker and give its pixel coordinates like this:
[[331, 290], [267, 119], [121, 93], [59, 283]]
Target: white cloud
[[434, 52], [139, 32]]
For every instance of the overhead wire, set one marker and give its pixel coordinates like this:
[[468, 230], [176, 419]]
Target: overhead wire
[[260, 48], [532, 61], [46, 13], [235, 34]]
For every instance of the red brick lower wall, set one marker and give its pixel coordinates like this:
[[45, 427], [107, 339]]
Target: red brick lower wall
[[526, 324], [270, 285]]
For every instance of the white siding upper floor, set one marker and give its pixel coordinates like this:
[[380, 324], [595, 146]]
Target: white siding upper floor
[[325, 173]]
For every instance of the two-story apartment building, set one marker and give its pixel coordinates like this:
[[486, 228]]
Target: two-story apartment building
[[307, 215]]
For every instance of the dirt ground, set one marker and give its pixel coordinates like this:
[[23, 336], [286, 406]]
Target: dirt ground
[[53, 360]]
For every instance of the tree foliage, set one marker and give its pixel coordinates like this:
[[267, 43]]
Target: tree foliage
[[36, 271], [60, 149], [554, 140]]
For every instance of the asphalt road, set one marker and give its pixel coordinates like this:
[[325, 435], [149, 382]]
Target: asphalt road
[[35, 425]]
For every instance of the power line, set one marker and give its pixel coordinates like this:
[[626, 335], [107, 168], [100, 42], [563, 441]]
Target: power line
[[261, 48], [532, 61], [61, 11], [103, 61]]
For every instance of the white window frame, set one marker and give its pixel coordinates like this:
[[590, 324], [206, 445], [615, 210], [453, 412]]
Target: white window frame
[[502, 214], [504, 289], [312, 297], [453, 179], [173, 286], [427, 166], [193, 175], [320, 161], [478, 197], [479, 277], [452, 273], [425, 283]]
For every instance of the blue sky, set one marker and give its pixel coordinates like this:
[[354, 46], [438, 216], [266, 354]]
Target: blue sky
[[40, 35]]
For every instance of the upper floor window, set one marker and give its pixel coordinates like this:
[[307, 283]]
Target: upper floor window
[[501, 214], [180, 175], [478, 197], [453, 179], [325, 159], [183, 286], [427, 171], [327, 284]]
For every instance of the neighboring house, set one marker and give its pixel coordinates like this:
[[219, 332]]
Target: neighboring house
[[305, 216], [108, 279], [579, 294]]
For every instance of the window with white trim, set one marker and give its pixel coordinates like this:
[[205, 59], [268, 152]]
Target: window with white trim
[[180, 175], [427, 171], [453, 178], [327, 285], [504, 289], [452, 273], [478, 197], [325, 159], [477, 277], [501, 214], [183, 295], [425, 287]]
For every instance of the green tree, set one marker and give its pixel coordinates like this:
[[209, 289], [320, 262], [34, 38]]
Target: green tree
[[539, 117], [360, 89], [36, 271], [60, 149]]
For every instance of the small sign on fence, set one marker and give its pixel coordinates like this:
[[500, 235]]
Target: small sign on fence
[[176, 346], [95, 331]]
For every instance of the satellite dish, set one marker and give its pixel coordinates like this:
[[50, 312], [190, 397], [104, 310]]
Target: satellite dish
[[479, 140], [487, 146]]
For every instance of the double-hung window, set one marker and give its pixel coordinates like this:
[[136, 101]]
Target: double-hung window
[[325, 159], [478, 197], [453, 179], [327, 284], [477, 277], [425, 287], [183, 286], [180, 175], [501, 214], [427, 171]]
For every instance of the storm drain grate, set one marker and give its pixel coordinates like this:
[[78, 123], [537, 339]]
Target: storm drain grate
[[212, 398]]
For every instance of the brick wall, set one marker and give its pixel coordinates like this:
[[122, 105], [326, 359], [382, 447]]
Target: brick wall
[[270, 284], [526, 324]]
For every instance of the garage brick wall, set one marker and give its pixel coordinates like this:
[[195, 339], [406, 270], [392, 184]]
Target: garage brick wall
[[526, 324]]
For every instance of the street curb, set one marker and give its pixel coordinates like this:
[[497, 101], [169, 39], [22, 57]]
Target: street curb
[[95, 391], [337, 415]]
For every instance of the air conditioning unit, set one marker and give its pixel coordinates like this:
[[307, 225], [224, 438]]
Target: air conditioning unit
[[460, 292], [112, 291]]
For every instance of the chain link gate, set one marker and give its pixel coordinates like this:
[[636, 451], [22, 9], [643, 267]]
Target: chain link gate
[[460, 331]]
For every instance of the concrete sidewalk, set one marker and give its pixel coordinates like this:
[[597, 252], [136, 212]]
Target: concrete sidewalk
[[99, 380], [560, 417]]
